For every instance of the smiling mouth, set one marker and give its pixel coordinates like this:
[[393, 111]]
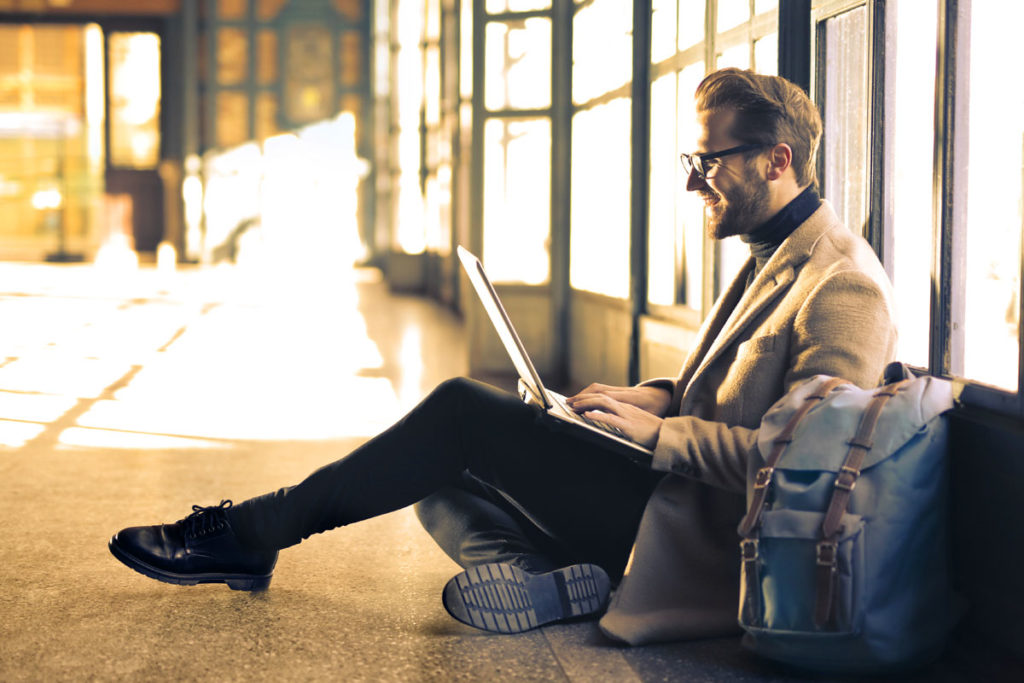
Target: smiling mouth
[[710, 199]]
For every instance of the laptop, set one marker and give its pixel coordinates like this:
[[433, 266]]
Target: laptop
[[530, 383]]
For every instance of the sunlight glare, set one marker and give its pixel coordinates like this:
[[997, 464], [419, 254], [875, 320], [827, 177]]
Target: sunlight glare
[[17, 434]]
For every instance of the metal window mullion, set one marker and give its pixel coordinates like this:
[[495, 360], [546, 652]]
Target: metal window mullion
[[476, 200], [561, 182], [795, 42], [880, 143], [950, 189], [250, 20], [211, 86], [710, 260], [678, 61], [639, 177]]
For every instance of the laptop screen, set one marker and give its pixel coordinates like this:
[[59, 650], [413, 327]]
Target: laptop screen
[[502, 324]]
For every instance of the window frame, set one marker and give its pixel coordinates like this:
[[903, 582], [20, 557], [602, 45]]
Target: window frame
[[755, 28], [949, 183]]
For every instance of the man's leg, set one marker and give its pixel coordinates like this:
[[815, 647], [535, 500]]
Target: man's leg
[[587, 499], [475, 525]]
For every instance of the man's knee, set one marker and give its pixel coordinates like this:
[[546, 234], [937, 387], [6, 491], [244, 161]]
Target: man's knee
[[454, 389]]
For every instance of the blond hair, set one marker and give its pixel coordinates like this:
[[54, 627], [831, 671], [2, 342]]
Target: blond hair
[[769, 110]]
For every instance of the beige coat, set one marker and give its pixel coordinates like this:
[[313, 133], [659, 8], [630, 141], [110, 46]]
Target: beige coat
[[821, 305]]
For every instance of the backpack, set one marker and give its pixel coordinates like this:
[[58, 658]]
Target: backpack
[[844, 546]]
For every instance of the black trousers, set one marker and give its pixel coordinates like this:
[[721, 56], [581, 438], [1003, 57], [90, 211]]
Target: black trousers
[[491, 481]]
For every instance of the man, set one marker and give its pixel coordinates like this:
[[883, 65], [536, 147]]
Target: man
[[544, 523]]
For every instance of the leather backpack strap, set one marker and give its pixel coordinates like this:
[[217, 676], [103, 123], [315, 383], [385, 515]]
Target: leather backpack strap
[[764, 475], [750, 607], [846, 479]]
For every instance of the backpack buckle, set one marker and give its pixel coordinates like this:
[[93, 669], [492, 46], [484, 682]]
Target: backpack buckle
[[826, 553], [763, 477], [846, 478]]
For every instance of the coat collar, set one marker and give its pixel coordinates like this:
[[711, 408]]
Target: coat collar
[[735, 309]]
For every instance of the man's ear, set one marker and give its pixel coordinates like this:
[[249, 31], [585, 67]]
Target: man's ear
[[780, 158]]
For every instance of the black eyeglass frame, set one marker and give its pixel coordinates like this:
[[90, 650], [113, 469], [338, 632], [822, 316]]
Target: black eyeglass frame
[[695, 162]]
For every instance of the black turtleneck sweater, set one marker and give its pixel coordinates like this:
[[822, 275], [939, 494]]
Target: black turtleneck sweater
[[766, 238]]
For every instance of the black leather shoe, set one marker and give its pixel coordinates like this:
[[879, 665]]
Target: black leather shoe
[[201, 548], [503, 598]]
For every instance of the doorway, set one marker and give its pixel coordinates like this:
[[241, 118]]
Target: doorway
[[80, 140]]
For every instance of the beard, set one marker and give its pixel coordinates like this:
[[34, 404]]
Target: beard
[[741, 210]]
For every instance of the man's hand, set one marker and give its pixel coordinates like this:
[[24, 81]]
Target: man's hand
[[638, 424], [654, 400]]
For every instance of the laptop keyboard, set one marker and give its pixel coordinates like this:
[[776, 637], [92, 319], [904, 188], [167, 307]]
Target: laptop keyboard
[[582, 418]]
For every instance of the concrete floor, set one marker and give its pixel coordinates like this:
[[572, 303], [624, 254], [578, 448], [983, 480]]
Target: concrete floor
[[127, 397]]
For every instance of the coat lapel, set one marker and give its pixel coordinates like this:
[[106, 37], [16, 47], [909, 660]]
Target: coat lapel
[[709, 332], [727, 322]]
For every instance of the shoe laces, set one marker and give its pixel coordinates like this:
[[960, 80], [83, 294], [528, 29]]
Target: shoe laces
[[205, 520]]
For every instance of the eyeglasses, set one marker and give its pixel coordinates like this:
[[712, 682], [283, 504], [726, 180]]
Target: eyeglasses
[[698, 162]]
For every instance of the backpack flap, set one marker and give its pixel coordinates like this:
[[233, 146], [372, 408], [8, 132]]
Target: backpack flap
[[837, 420]]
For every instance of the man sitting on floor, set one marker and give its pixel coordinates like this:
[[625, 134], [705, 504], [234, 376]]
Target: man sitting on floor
[[552, 520]]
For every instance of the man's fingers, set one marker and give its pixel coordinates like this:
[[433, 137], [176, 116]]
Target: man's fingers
[[603, 402]]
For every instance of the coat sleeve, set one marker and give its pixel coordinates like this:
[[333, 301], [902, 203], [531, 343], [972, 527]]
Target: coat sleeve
[[843, 329]]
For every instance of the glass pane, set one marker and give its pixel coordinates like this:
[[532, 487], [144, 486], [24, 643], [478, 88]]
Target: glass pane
[[675, 240], [599, 214], [766, 55], [134, 99], [732, 254], [995, 191], [691, 23], [663, 29], [661, 242], [466, 50], [266, 57], [495, 6], [761, 6], [266, 115], [518, 64], [690, 208], [846, 98], [517, 206], [351, 57], [602, 48], [308, 73], [232, 118], [738, 57], [913, 133], [351, 10], [432, 85], [232, 56], [266, 10], [232, 9], [732, 13]]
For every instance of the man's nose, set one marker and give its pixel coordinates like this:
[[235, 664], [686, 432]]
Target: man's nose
[[695, 182]]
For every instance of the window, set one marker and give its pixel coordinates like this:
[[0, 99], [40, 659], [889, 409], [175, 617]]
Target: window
[[995, 191], [843, 96], [685, 268], [950, 191], [912, 112], [601, 136], [517, 141], [517, 207], [134, 99]]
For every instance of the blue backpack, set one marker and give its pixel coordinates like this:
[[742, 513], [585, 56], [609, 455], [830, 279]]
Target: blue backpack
[[845, 562]]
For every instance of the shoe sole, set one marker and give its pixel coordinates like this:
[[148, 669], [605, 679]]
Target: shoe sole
[[505, 599], [238, 582]]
